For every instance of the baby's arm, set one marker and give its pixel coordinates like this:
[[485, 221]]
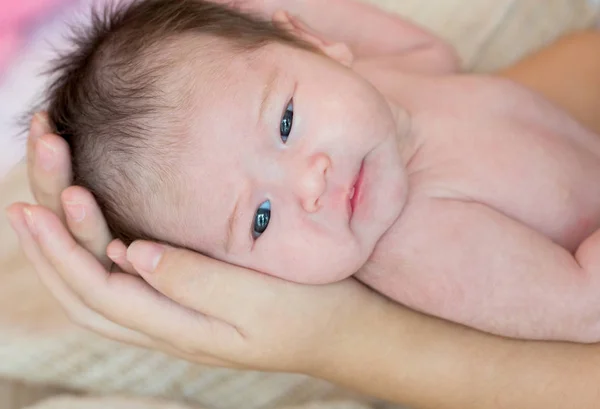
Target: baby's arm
[[371, 33], [478, 267], [368, 30]]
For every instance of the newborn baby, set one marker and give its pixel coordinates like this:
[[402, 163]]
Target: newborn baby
[[467, 197]]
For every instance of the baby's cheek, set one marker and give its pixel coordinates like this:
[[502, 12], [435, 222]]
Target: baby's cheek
[[309, 262]]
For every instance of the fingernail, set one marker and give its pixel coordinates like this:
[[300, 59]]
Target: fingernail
[[145, 255], [30, 221], [75, 210], [114, 256], [39, 126], [45, 155]]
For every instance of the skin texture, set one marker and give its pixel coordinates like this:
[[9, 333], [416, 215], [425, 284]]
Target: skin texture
[[412, 369]]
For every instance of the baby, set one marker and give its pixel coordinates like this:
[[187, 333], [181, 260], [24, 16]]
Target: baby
[[467, 197]]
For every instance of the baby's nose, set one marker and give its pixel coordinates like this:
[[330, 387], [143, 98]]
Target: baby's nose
[[312, 181]]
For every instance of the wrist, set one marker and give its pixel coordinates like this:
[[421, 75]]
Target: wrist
[[382, 349], [358, 343]]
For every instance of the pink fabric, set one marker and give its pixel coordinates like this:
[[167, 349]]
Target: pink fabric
[[16, 19], [29, 29]]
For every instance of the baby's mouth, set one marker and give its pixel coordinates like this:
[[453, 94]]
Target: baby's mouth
[[355, 191], [351, 194]]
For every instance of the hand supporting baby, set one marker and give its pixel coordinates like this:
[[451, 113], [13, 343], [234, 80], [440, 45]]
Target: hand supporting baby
[[183, 306]]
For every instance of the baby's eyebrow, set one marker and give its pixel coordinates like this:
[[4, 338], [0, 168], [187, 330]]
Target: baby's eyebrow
[[267, 90]]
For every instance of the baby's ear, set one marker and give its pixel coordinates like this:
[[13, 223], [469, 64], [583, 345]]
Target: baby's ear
[[338, 51]]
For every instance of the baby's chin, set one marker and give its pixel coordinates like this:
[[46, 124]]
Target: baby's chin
[[325, 270]]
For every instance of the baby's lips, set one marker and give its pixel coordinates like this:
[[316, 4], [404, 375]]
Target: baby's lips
[[357, 187]]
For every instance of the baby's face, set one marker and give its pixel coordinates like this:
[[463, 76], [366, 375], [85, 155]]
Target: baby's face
[[293, 169]]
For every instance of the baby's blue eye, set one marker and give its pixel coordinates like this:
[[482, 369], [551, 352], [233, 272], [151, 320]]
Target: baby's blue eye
[[286, 122], [261, 219]]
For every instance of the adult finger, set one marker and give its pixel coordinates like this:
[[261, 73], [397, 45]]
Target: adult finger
[[82, 315], [86, 222], [39, 126], [117, 252], [72, 305], [51, 172], [127, 300], [201, 283]]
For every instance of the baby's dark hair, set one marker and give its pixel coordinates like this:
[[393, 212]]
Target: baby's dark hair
[[109, 101]]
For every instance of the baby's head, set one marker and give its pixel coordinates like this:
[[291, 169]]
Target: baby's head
[[201, 127]]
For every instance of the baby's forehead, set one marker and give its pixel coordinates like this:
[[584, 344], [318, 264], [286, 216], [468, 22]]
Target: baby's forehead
[[227, 95], [209, 73], [225, 89]]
